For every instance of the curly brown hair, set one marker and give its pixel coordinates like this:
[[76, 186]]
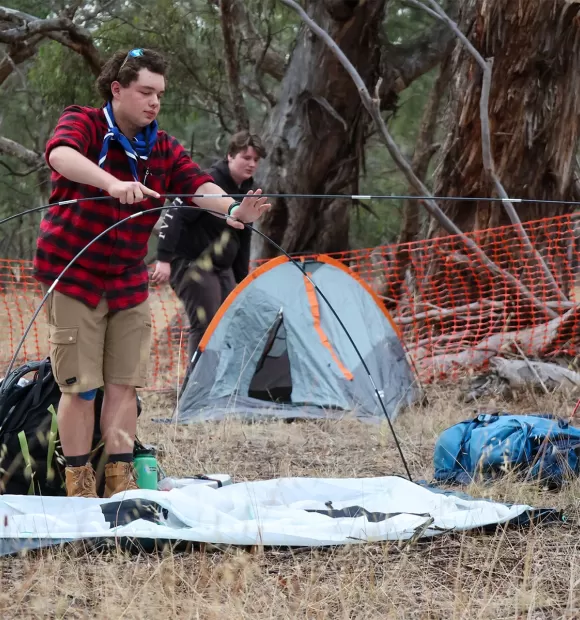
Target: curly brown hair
[[243, 140], [123, 68]]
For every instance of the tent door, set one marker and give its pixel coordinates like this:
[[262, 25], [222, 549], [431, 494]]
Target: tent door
[[272, 380]]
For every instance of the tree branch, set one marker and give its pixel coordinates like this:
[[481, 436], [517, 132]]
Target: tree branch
[[483, 307], [15, 173], [14, 16], [14, 149], [87, 14], [16, 54], [266, 58], [413, 60], [488, 164], [62, 29], [83, 47], [373, 108], [232, 65], [258, 74], [534, 340], [270, 62], [71, 10], [32, 27]]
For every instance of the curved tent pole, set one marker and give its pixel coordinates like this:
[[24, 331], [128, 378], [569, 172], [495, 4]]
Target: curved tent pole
[[217, 214]]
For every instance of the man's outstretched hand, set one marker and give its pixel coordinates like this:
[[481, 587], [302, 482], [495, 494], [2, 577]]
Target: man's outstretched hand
[[251, 209]]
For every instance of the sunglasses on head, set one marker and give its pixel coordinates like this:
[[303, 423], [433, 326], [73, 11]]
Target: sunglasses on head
[[135, 53]]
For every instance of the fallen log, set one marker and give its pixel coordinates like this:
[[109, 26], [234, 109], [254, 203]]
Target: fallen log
[[434, 341], [438, 312], [533, 341], [540, 375]]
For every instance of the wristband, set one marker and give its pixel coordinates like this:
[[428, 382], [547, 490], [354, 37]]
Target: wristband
[[233, 207]]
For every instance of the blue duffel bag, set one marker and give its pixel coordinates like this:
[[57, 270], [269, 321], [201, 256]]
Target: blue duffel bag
[[540, 447]]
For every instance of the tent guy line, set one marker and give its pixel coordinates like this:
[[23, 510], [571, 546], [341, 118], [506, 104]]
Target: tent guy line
[[273, 243]]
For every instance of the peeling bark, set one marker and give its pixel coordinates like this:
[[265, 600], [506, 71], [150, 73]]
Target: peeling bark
[[534, 109]]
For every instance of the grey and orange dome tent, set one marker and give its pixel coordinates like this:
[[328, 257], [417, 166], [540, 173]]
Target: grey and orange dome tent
[[275, 349]]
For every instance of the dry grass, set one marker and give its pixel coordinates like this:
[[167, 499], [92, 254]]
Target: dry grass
[[516, 574]]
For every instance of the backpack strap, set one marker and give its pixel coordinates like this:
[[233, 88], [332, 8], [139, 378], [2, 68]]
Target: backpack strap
[[17, 374], [41, 375]]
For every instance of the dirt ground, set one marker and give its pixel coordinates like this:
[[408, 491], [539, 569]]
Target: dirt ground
[[532, 573]]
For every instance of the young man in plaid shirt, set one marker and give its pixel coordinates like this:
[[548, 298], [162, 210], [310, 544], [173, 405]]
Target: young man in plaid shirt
[[99, 317]]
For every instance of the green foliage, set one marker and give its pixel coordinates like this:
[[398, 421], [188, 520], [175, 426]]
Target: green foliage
[[405, 23], [61, 78], [38, 8]]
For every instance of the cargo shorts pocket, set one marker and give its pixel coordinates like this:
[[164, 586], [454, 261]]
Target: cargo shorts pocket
[[64, 354]]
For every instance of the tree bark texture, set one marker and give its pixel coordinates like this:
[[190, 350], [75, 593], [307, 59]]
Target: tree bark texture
[[534, 110]]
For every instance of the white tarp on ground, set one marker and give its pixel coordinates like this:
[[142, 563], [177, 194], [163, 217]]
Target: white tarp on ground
[[270, 512]]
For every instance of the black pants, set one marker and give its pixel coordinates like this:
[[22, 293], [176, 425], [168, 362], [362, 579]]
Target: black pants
[[202, 293]]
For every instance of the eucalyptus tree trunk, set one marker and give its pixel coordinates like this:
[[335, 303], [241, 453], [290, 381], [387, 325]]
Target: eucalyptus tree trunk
[[534, 109]]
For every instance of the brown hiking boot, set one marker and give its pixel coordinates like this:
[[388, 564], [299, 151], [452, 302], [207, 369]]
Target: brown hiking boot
[[81, 481], [119, 477]]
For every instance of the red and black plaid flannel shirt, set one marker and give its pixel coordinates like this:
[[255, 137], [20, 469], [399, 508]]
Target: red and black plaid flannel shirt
[[114, 265]]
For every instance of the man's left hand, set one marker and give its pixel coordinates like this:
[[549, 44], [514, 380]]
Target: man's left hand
[[162, 272], [251, 208]]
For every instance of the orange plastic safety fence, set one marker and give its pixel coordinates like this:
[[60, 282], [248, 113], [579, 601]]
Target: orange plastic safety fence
[[454, 309]]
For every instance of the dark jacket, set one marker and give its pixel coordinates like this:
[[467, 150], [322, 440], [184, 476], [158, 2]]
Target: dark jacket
[[191, 233]]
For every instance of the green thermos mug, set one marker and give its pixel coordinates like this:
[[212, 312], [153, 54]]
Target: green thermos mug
[[145, 463]]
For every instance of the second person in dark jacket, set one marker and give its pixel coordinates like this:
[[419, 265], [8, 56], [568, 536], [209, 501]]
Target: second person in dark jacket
[[202, 257]]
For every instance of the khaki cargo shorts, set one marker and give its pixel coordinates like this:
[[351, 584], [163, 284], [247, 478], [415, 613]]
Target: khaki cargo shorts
[[90, 347]]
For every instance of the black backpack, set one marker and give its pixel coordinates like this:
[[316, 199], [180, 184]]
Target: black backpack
[[31, 460]]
